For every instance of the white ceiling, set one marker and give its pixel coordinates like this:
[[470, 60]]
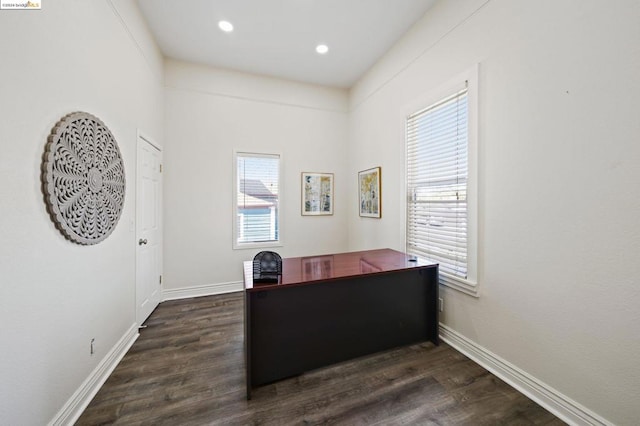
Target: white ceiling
[[278, 37]]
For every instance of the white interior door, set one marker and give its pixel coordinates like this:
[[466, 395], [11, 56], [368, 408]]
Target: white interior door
[[148, 228]]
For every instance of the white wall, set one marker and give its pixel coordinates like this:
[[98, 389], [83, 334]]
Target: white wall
[[55, 296], [559, 237], [209, 114], [559, 152]]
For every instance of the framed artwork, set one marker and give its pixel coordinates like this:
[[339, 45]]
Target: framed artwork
[[317, 194], [370, 195]]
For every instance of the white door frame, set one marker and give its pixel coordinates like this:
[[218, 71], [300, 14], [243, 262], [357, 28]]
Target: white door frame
[[142, 138]]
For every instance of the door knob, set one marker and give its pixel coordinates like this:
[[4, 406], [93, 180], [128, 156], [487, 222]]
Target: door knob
[[141, 241]]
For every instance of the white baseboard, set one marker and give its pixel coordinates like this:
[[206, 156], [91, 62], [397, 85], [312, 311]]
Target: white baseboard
[[557, 403], [201, 290], [81, 398]]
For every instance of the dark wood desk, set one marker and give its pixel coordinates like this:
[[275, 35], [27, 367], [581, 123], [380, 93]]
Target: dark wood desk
[[331, 308]]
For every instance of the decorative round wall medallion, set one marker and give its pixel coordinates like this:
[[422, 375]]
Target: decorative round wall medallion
[[83, 178]]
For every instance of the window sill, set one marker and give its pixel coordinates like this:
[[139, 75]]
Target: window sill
[[460, 284], [243, 246]]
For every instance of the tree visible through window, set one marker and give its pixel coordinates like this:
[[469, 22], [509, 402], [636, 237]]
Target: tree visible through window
[[257, 199]]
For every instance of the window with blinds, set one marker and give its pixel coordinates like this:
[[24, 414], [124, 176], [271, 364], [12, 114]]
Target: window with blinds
[[437, 177], [257, 199]]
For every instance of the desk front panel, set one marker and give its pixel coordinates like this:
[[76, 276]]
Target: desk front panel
[[295, 329]]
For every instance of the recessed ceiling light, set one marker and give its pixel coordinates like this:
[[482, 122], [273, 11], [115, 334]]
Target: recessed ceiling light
[[225, 26], [322, 49]]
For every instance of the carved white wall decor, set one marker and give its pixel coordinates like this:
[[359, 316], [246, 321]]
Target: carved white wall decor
[[83, 178]]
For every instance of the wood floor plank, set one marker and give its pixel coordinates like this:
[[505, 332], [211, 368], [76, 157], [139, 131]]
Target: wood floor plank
[[187, 368]]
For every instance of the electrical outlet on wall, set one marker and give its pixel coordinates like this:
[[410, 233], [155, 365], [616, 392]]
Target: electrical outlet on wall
[[441, 304]]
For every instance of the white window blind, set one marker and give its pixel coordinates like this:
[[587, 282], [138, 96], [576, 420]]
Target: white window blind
[[437, 177], [257, 198]]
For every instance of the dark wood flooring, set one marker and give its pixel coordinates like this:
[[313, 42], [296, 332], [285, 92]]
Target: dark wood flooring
[[187, 368]]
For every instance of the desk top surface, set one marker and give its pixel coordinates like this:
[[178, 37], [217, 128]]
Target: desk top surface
[[306, 270]]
